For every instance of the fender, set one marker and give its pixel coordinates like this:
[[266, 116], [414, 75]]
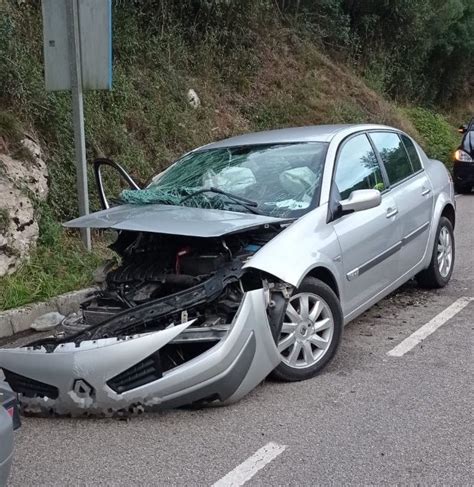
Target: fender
[[444, 189], [291, 255], [441, 202]]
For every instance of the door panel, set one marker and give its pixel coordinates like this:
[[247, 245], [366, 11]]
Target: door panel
[[370, 244], [414, 199], [412, 192], [369, 239]]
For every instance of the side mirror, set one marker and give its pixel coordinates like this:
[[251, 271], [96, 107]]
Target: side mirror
[[361, 199], [462, 129]]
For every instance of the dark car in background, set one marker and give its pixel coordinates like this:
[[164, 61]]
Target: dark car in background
[[9, 420], [463, 170]]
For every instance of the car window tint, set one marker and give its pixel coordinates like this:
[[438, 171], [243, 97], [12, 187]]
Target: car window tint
[[414, 157], [357, 167], [393, 154]]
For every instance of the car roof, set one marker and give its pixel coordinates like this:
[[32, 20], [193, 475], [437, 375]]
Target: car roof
[[314, 133]]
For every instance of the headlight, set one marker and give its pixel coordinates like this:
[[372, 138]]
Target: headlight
[[462, 156]]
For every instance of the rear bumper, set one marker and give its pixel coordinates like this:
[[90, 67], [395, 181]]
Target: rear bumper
[[76, 380]]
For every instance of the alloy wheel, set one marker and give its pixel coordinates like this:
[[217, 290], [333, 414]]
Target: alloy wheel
[[445, 252], [307, 330]]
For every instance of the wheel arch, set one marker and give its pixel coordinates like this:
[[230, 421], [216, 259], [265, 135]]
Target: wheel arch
[[325, 275], [444, 206], [450, 213]]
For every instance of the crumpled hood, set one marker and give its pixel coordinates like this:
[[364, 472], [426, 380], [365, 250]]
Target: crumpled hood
[[174, 220]]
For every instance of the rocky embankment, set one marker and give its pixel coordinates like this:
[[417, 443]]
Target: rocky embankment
[[23, 185]]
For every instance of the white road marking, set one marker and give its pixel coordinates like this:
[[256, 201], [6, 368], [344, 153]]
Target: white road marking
[[426, 330], [246, 470]]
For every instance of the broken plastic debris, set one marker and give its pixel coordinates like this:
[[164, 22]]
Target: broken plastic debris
[[47, 322]]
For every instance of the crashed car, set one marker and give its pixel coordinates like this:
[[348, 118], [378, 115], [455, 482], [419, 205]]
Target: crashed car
[[245, 257]]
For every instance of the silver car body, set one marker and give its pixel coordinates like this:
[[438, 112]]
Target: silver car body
[[6, 445], [172, 220], [366, 255]]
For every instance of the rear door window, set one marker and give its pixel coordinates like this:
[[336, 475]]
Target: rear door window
[[412, 153], [357, 167], [393, 154]]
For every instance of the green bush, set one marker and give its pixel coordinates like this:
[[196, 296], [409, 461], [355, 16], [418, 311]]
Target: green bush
[[62, 266], [440, 137], [414, 50]]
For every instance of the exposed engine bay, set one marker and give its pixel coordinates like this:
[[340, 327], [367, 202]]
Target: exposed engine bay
[[162, 282]]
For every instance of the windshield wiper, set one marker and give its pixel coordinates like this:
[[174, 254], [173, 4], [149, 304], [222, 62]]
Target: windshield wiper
[[246, 203]]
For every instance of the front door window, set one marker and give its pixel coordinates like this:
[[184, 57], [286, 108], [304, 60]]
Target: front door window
[[357, 167]]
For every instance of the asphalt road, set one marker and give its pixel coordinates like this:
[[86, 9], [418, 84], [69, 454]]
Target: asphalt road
[[369, 419]]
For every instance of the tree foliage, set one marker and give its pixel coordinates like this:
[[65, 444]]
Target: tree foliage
[[420, 50], [414, 50]]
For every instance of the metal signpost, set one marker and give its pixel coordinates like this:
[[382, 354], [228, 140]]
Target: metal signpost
[[78, 56]]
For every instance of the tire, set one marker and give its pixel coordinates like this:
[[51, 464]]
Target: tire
[[313, 348], [434, 277]]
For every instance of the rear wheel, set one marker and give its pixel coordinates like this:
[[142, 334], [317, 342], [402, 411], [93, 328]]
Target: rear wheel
[[311, 331], [441, 266]]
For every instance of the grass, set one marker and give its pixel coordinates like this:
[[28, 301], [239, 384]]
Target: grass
[[441, 139], [11, 135], [59, 264], [10, 128], [51, 270]]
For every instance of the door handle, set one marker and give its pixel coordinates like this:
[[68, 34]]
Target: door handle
[[425, 191], [391, 212]]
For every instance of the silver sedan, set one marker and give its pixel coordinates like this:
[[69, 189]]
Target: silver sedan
[[245, 257]]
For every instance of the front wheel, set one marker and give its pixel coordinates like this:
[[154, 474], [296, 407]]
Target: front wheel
[[311, 331], [439, 272]]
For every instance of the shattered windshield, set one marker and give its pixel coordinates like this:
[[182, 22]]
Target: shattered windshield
[[280, 180]]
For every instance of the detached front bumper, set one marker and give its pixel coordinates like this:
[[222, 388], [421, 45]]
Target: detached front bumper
[[86, 378]]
